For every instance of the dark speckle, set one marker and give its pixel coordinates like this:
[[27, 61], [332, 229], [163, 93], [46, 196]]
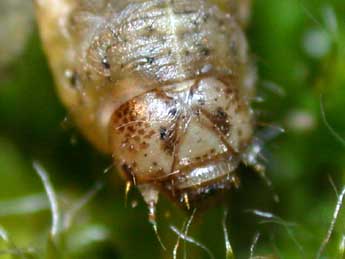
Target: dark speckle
[[221, 22], [205, 17], [205, 51], [220, 120], [172, 112], [201, 101], [163, 133], [105, 63], [221, 113], [196, 112], [73, 78], [150, 28], [150, 60]]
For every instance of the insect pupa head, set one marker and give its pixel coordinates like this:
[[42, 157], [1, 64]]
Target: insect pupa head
[[183, 139]]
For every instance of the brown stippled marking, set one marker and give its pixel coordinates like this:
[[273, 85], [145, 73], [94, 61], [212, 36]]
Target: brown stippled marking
[[163, 133], [209, 124], [221, 120], [168, 137], [149, 134]]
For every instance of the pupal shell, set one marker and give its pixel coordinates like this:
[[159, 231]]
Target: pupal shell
[[162, 85]]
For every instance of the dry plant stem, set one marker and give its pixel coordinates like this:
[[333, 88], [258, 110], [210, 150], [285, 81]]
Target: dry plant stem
[[271, 218], [56, 219], [253, 245], [341, 249], [192, 241], [229, 254], [3, 234], [332, 225], [12, 249], [78, 205], [155, 229], [329, 127], [185, 228], [29, 204]]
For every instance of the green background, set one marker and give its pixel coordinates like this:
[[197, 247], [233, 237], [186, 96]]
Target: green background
[[299, 50]]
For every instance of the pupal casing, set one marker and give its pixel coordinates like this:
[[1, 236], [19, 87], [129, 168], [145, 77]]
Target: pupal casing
[[162, 85]]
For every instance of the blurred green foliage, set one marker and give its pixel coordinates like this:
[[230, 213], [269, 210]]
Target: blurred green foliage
[[298, 46]]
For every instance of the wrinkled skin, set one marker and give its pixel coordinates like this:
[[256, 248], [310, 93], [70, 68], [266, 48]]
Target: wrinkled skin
[[164, 86]]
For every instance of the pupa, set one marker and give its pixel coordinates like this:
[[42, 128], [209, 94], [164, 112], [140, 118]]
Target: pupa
[[164, 86]]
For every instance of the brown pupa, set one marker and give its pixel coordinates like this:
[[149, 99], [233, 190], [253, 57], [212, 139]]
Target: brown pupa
[[162, 85]]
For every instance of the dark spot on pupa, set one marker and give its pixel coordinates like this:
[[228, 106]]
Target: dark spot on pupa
[[220, 120], [196, 112], [205, 51], [201, 101], [150, 60], [221, 113], [74, 79], [163, 133], [221, 22], [131, 129], [205, 17], [169, 139], [105, 63], [150, 28], [172, 112]]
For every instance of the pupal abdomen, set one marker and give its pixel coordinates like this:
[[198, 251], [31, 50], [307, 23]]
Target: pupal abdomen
[[162, 85]]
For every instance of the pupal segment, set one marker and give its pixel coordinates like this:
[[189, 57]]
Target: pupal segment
[[184, 139], [164, 86]]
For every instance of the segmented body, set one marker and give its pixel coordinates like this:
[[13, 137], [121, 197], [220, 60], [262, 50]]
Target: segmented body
[[162, 85]]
